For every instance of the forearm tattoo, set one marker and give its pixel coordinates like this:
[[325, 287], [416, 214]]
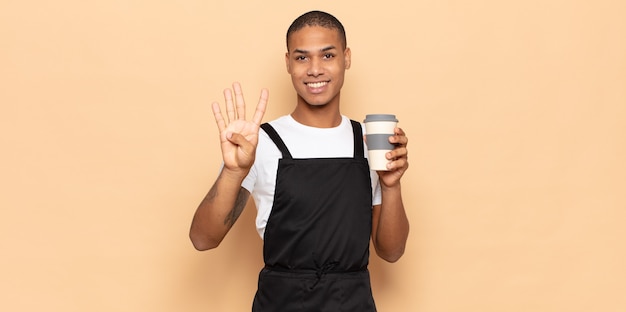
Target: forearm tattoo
[[237, 209], [240, 203], [210, 196]]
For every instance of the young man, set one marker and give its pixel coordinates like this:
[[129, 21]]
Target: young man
[[318, 203]]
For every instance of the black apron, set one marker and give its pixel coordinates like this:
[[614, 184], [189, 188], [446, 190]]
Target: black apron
[[316, 243]]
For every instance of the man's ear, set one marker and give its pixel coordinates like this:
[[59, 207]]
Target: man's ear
[[347, 54], [287, 62]]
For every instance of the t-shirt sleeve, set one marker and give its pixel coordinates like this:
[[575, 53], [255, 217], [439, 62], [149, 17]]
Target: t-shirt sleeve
[[376, 192], [249, 181]]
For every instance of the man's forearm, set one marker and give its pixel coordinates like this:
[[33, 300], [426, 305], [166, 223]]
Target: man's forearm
[[392, 225], [218, 211]]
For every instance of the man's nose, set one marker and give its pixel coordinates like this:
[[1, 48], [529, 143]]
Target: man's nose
[[315, 68]]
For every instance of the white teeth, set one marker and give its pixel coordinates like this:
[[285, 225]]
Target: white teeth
[[317, 84]]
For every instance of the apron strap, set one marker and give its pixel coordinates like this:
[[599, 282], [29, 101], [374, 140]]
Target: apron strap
[[358, 139], [356, 131], [277, 140]]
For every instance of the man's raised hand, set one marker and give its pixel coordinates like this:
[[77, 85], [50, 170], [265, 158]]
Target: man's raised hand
[[239, 137]]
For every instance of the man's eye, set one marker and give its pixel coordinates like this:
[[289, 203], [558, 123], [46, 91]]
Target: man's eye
[[328, 56], [300, 58]]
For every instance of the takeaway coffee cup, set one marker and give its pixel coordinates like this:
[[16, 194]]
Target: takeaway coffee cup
[[378, 129]]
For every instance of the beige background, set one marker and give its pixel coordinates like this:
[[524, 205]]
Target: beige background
[[515, 110]]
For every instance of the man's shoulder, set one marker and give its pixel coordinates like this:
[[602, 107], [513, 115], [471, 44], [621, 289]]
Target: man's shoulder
[[282, 120]]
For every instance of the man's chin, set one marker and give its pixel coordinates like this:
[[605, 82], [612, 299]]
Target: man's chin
[[314, 102], [317, 104]]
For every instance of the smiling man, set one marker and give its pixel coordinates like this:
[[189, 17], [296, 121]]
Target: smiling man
[[318, 202], [317, 59]]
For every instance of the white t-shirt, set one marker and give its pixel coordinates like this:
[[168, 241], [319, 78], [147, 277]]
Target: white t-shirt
[[302, 142]]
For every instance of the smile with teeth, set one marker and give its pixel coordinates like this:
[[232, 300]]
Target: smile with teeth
[[316, 85]]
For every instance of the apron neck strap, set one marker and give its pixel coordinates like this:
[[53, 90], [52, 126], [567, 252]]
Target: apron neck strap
[[358, 139], [356, 131], [277, 140]]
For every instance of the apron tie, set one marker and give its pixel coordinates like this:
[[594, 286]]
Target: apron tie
[[322, 270]]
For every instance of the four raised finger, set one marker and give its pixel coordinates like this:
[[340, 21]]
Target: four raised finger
[[260, 107], [219, 119], [236, 107], [240, 104], [230, 106]]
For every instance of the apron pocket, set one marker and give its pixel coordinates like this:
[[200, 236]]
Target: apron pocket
[[279, 291]]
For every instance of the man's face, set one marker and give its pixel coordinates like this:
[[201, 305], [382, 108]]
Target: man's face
[[317, 62]]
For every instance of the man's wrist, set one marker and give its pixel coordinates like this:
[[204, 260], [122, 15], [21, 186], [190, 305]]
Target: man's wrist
[[234, 175], [391, 188]]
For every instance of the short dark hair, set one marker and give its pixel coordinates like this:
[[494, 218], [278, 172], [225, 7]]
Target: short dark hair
[[318, 18]]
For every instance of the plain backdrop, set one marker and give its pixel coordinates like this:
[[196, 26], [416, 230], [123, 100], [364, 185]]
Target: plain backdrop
[[515, 112]]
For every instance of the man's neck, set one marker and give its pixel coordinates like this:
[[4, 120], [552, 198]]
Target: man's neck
[[318, 116]]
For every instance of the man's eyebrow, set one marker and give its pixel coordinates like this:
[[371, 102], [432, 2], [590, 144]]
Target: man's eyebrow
[[328, 48]]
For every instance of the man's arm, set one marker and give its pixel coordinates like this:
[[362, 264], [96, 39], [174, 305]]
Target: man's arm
[[218, 211], [226, 199], [390, 225]]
